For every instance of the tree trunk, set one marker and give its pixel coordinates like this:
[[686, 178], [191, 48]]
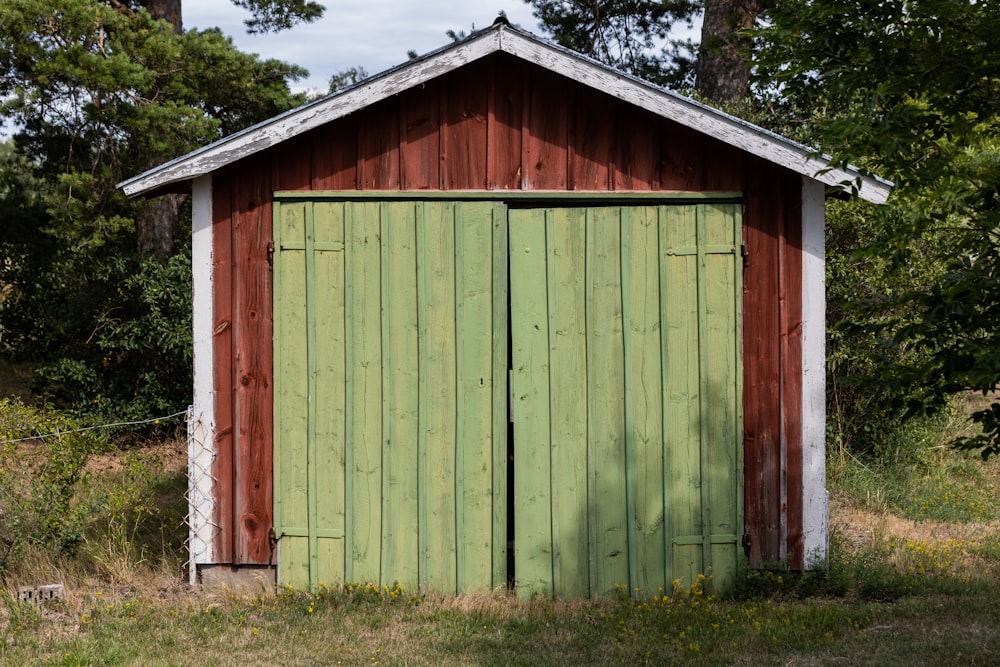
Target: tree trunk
[[168, 10], [157, 225], [722, 73]]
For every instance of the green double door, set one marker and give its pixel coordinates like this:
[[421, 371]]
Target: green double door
[[456, 378]]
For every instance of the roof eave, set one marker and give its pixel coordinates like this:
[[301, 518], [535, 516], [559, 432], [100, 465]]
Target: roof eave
[[500, 37]]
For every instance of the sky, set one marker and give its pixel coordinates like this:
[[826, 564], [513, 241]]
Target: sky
[[374, 34]]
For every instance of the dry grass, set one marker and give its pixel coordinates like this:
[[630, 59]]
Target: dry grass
[[900, 591]]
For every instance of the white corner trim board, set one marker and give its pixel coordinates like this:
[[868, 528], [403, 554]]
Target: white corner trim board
[[815, 503], [201, 432]]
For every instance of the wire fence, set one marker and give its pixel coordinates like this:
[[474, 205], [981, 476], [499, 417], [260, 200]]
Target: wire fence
[[84, 429], [202, 527]]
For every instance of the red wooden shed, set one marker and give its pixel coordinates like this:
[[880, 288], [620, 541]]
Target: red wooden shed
[[505, 250]]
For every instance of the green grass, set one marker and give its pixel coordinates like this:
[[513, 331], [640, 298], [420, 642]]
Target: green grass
[[913, 578], [351, 627]]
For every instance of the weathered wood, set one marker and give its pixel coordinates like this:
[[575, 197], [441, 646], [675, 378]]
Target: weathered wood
[[682, 157], [504, 131], [379, 148], [223, 263], [545, 128], [253, 364], [606, 402], [637, 150], [420, 140], [590, 143], [501, 395], [463, 132], [475, 385], [329, 422], [400, 379], [335, 156], [530, 403], [292, 376], [791, 365], [682, 410], [566, 232], [762, 358], [518, 45], [436, 288], [641, 285], [364, 393]]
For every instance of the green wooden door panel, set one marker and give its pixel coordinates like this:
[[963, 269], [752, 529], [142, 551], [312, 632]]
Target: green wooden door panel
[[391, 400], [386, 404], [625, 333]]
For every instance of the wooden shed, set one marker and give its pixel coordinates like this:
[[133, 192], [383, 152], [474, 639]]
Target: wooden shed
[[506, 315]]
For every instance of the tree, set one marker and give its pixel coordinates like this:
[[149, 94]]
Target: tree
[[722, 72], [100, 91], [912, 89], [631, 35]]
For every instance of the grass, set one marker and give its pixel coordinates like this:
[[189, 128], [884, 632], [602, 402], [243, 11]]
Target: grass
[[913, 578]]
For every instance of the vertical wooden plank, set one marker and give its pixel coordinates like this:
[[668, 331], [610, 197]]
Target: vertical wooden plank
[[330, 418], [378, 147], [463, 127], [643, 395], [724, 167], [720, 385], [705, 353], [501, 393], [504, 131], [591, 140], [630, 436], [400, 378], [605, 401], [223, 269], [312, 447], [682, 157], [475, 382], [637, 149], [436, 287], [335, 156], [420, 144], [761, 369], [546, 128], [365, 391], [290, 163], [718, 226], [682, 418], [253, 400], [566, 255], [291, 396], [791, 364], [530, 341]]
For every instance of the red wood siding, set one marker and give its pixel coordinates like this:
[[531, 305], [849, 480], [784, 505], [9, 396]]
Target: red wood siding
[[502, 124], [243, 355]]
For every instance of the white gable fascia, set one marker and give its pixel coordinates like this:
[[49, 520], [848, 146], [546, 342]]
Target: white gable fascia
[[692, 114], [687, 112], [311, 116]]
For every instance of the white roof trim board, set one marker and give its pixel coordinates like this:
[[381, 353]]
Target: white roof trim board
[[503, 38]]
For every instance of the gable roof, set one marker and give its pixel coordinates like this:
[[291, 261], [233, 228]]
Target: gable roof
[[501, 37]]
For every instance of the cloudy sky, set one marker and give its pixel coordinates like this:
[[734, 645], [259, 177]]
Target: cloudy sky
[[374, 34]]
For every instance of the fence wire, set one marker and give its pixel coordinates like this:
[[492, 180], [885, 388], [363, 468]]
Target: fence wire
[[202, 528]]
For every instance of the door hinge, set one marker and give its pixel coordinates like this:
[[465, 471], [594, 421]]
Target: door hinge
[[745, 254], [747, 542], [270, 254]]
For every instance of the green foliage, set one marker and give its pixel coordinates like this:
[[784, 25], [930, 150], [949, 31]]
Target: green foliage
[[275, 15], [347, 78], [908, 90], [625, 34], [100, 95], [38, 481]]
